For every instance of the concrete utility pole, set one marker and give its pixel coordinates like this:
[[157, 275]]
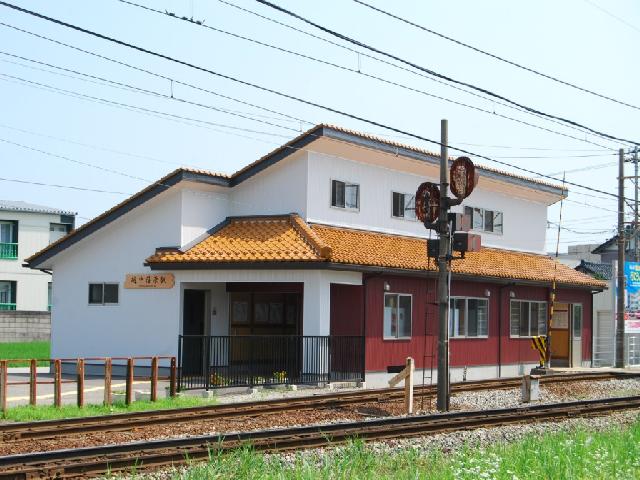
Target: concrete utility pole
[[621, 244], [443, 273]]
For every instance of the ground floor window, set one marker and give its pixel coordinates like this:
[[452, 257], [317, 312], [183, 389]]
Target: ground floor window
[[7, 295], [528, 318], [577, 321], [468, 317], [103, 294], [397, 315]]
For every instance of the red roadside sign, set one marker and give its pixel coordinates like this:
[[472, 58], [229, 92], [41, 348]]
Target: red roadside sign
[[462, 177]]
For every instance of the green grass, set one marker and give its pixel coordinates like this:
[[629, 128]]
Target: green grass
[[577, 454], [26, 350], [27, 413]]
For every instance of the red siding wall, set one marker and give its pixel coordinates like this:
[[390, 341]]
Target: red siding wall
[[347, 315]]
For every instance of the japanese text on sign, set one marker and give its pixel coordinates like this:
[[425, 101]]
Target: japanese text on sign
[[149, 280]]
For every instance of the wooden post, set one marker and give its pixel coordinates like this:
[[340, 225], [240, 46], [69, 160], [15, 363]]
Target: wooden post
[[107, 382], [129, 387], [4, 374], [407, 375], [173, 378], [80, 382], [408, 386], [33, 382], [57, 383], [154, 379]]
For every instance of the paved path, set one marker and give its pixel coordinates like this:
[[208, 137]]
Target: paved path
[[93, 389]]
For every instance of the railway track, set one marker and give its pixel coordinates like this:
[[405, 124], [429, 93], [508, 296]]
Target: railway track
[[93, 461], [122, 422]]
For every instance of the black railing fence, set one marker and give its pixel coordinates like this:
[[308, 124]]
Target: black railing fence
[[229, 361]]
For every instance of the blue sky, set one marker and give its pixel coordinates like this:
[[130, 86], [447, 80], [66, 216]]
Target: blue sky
[[573, 40]]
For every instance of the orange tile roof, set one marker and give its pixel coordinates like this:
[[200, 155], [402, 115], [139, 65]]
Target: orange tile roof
[[253, 239], [361, 247], [289, 239]]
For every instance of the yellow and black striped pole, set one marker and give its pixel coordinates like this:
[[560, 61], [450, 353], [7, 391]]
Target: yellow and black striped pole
[[539, 343]]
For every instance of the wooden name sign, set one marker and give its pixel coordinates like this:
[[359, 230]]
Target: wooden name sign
[[149, 280]]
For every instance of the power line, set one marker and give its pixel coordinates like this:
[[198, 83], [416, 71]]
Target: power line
[[395, 65], [287, 96], [432, 72], [499, 58], [70, 187], [622, 20], [143, 110], [281, 114], [144, 91], [170, 80], [353, 70]]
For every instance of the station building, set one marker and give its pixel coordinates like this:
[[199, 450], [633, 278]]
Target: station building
[[309, 265]]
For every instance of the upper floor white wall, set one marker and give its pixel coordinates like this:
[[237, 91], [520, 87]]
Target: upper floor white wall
[[524, 219], [281, 188]]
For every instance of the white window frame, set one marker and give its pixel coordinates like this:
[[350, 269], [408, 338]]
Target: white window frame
[[117, 284], [398, 294], [573, 319], [404, 216], [346, 184], [529, 302], [484, 210], [466, 316]]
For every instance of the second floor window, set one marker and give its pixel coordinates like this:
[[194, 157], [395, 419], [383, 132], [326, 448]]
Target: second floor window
[[403, 205], [57, 231], [528, 319], [469, 317], [345, 195], [484, 220], [8, 240]]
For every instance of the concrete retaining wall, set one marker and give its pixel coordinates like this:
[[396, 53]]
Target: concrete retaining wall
[[24, 326]]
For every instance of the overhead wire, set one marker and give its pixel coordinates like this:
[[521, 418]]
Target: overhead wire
[[433, 72], [497, 57], [169, 79], [392, 64], [276, 92], [359, 72], [54, 185]]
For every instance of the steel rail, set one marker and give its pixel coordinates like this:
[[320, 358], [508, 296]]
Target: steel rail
[[91, 461], [126, 421]]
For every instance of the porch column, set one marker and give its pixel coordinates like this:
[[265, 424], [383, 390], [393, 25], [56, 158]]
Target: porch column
[[316, 310], [315, 323]]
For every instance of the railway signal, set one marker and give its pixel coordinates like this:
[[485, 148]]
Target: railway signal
[[432, 209]]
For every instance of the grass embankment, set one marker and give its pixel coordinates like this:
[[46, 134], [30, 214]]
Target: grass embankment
[[27, 413], [27, 350], [574, 455]]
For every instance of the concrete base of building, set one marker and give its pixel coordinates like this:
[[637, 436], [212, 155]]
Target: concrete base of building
[[457, 374]]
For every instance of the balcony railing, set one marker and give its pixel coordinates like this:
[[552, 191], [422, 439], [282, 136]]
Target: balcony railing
[[7, 306], [8, 251], [230, 361]]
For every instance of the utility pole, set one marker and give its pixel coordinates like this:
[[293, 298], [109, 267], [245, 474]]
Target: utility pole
[[621, 244], [636, 247], [443, 273]]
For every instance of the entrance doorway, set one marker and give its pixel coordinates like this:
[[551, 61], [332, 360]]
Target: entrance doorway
[[193, 324], [566, 335]]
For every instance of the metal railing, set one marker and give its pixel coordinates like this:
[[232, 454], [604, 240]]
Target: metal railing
[[229, 361], [8, 251], [7, 306]]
